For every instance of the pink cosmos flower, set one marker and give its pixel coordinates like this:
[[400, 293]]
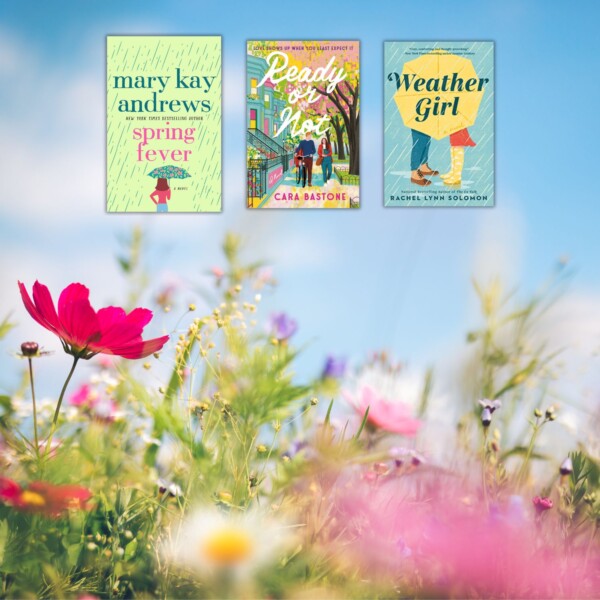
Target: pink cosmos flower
[[85, 332], [388, 415]]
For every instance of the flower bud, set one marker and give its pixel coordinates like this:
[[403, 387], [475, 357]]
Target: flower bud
[[29, 349], [225, 496], [567, 467], [417, 459], [542, 504], [537, 412], [381, 468], [486, 417]]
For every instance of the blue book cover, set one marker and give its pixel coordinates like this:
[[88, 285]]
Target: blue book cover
[[439, 124]]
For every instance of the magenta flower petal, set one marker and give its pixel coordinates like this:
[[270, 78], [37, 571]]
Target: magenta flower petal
[[140, 349], [109, 317], [34, 312], [140, 317], [45, 305], [77, 316], [9, 489], [112, 324], [120, 330]]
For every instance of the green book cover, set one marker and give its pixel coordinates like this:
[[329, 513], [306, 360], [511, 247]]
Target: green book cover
[[163, 123]]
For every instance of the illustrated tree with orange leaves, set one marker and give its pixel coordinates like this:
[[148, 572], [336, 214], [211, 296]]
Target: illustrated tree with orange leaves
[[342, 104]]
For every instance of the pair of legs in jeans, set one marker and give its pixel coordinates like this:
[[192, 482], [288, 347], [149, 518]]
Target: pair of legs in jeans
[[419, 157], [326, 165]]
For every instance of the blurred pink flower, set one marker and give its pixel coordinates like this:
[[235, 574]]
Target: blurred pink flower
[[542, 504], [83, 396], [389, 415], [52, 451], [106, 362], [97, 406], [448, 545]]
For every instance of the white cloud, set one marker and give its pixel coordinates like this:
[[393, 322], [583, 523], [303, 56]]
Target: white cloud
[[13, 54], [499, 243]]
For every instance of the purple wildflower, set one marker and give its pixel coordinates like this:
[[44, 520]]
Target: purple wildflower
[[334, 368], [283, 326]]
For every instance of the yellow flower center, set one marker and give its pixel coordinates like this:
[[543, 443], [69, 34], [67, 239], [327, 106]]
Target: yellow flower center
[[228, 546], [32, 498]]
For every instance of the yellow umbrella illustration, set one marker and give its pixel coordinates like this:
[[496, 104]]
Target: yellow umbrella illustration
[[439, 93]]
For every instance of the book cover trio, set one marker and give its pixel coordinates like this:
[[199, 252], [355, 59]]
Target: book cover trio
[[302, 124], [439, 124]]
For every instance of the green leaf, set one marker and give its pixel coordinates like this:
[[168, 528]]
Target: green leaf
[[5, 327], [426, 392], [130, 549], [522, 451], [363, 423], [124, 264], [328, 415], [518, 378]]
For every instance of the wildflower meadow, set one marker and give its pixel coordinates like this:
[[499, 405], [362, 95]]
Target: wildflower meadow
[[193, 463]]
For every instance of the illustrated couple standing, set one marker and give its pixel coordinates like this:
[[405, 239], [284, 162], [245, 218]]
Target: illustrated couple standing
[[304, 154], [419, 158]]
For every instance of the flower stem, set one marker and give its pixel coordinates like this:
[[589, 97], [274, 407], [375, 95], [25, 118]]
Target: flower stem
[[58, 405], [524, 466], [35, 423], [62, 392], [484, 470]]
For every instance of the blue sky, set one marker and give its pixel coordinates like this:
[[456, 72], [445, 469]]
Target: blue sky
[[355, 280]]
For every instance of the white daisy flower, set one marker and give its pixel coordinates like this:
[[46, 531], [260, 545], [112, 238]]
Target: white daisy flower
[[209, 543]]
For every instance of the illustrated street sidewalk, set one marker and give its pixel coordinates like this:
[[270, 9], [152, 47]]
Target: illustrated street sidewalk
[[291, 195]]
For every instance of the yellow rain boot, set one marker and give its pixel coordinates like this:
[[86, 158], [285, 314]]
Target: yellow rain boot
[[450, 173], [457, 166]]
